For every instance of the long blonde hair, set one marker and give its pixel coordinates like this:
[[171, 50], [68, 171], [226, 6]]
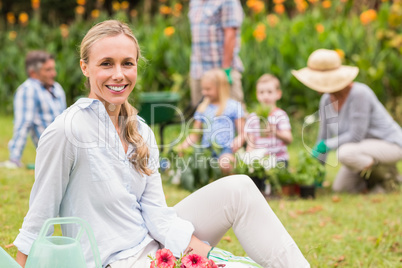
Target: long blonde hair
[[218, 77], [128, 121]]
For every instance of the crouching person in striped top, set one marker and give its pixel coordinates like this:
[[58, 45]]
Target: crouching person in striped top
[[37, 102]]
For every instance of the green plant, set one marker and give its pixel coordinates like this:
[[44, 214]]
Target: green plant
[[284, 176], [259, 168], [196, 167], [309, 170], [276, 43], [262, 111]]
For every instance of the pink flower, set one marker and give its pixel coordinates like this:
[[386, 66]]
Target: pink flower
[[194, 261], [212, 264], [164, 259]]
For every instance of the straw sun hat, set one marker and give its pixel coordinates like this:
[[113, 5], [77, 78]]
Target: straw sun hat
[[325, 72]]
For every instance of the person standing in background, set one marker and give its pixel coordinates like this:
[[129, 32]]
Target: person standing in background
[[215, 37], [37, 102]]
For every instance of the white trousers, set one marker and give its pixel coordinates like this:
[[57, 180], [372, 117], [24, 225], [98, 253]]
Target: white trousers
[[356, 156], [235, 201]]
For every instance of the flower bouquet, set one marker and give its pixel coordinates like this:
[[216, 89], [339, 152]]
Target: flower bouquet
[[164, 259]]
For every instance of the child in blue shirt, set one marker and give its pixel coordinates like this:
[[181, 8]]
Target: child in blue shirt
[[217, 119]]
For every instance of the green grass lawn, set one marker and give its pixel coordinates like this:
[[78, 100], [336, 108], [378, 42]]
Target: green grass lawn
[[332, 230]]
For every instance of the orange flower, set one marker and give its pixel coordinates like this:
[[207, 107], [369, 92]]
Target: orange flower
[[256, 6], [249, 3], [277, 2], [313, 1], [177, 10], [368, 16], [125, 5], [95, 13], [319, 28], [259, 32], [340, 52], [81, 2], [165, 10], [280, 9], [115, 6], [301, 5], [326, 4], [80, 10], [64, 30], [23, 18], [272, 20], [169, 31], [133, 13], [178, 7], [12, 35], [35, 4], [10, 18]]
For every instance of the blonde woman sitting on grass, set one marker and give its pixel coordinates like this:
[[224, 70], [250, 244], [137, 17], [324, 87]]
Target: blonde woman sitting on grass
[[98, 161]]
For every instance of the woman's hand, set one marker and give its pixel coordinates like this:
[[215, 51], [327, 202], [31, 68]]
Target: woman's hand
[[21, 258]]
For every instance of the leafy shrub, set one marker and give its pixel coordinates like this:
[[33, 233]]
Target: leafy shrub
[[271, 42], [309, 171], [196, 168]]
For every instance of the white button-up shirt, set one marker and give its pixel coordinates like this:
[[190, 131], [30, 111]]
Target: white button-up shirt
[[82, 170]]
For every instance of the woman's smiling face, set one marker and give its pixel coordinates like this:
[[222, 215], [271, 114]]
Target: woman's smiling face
[[111, 69]]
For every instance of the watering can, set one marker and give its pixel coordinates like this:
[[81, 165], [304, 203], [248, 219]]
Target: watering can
[[57, 251], [6, 260]]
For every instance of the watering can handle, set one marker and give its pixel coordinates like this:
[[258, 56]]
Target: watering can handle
[[84, 225]]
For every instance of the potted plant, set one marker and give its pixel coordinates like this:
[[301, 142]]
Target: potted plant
[[193, 168], [287, 181], [309, 173], [258, 167]]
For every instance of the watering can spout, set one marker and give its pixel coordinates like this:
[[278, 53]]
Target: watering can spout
[[6, 260]]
